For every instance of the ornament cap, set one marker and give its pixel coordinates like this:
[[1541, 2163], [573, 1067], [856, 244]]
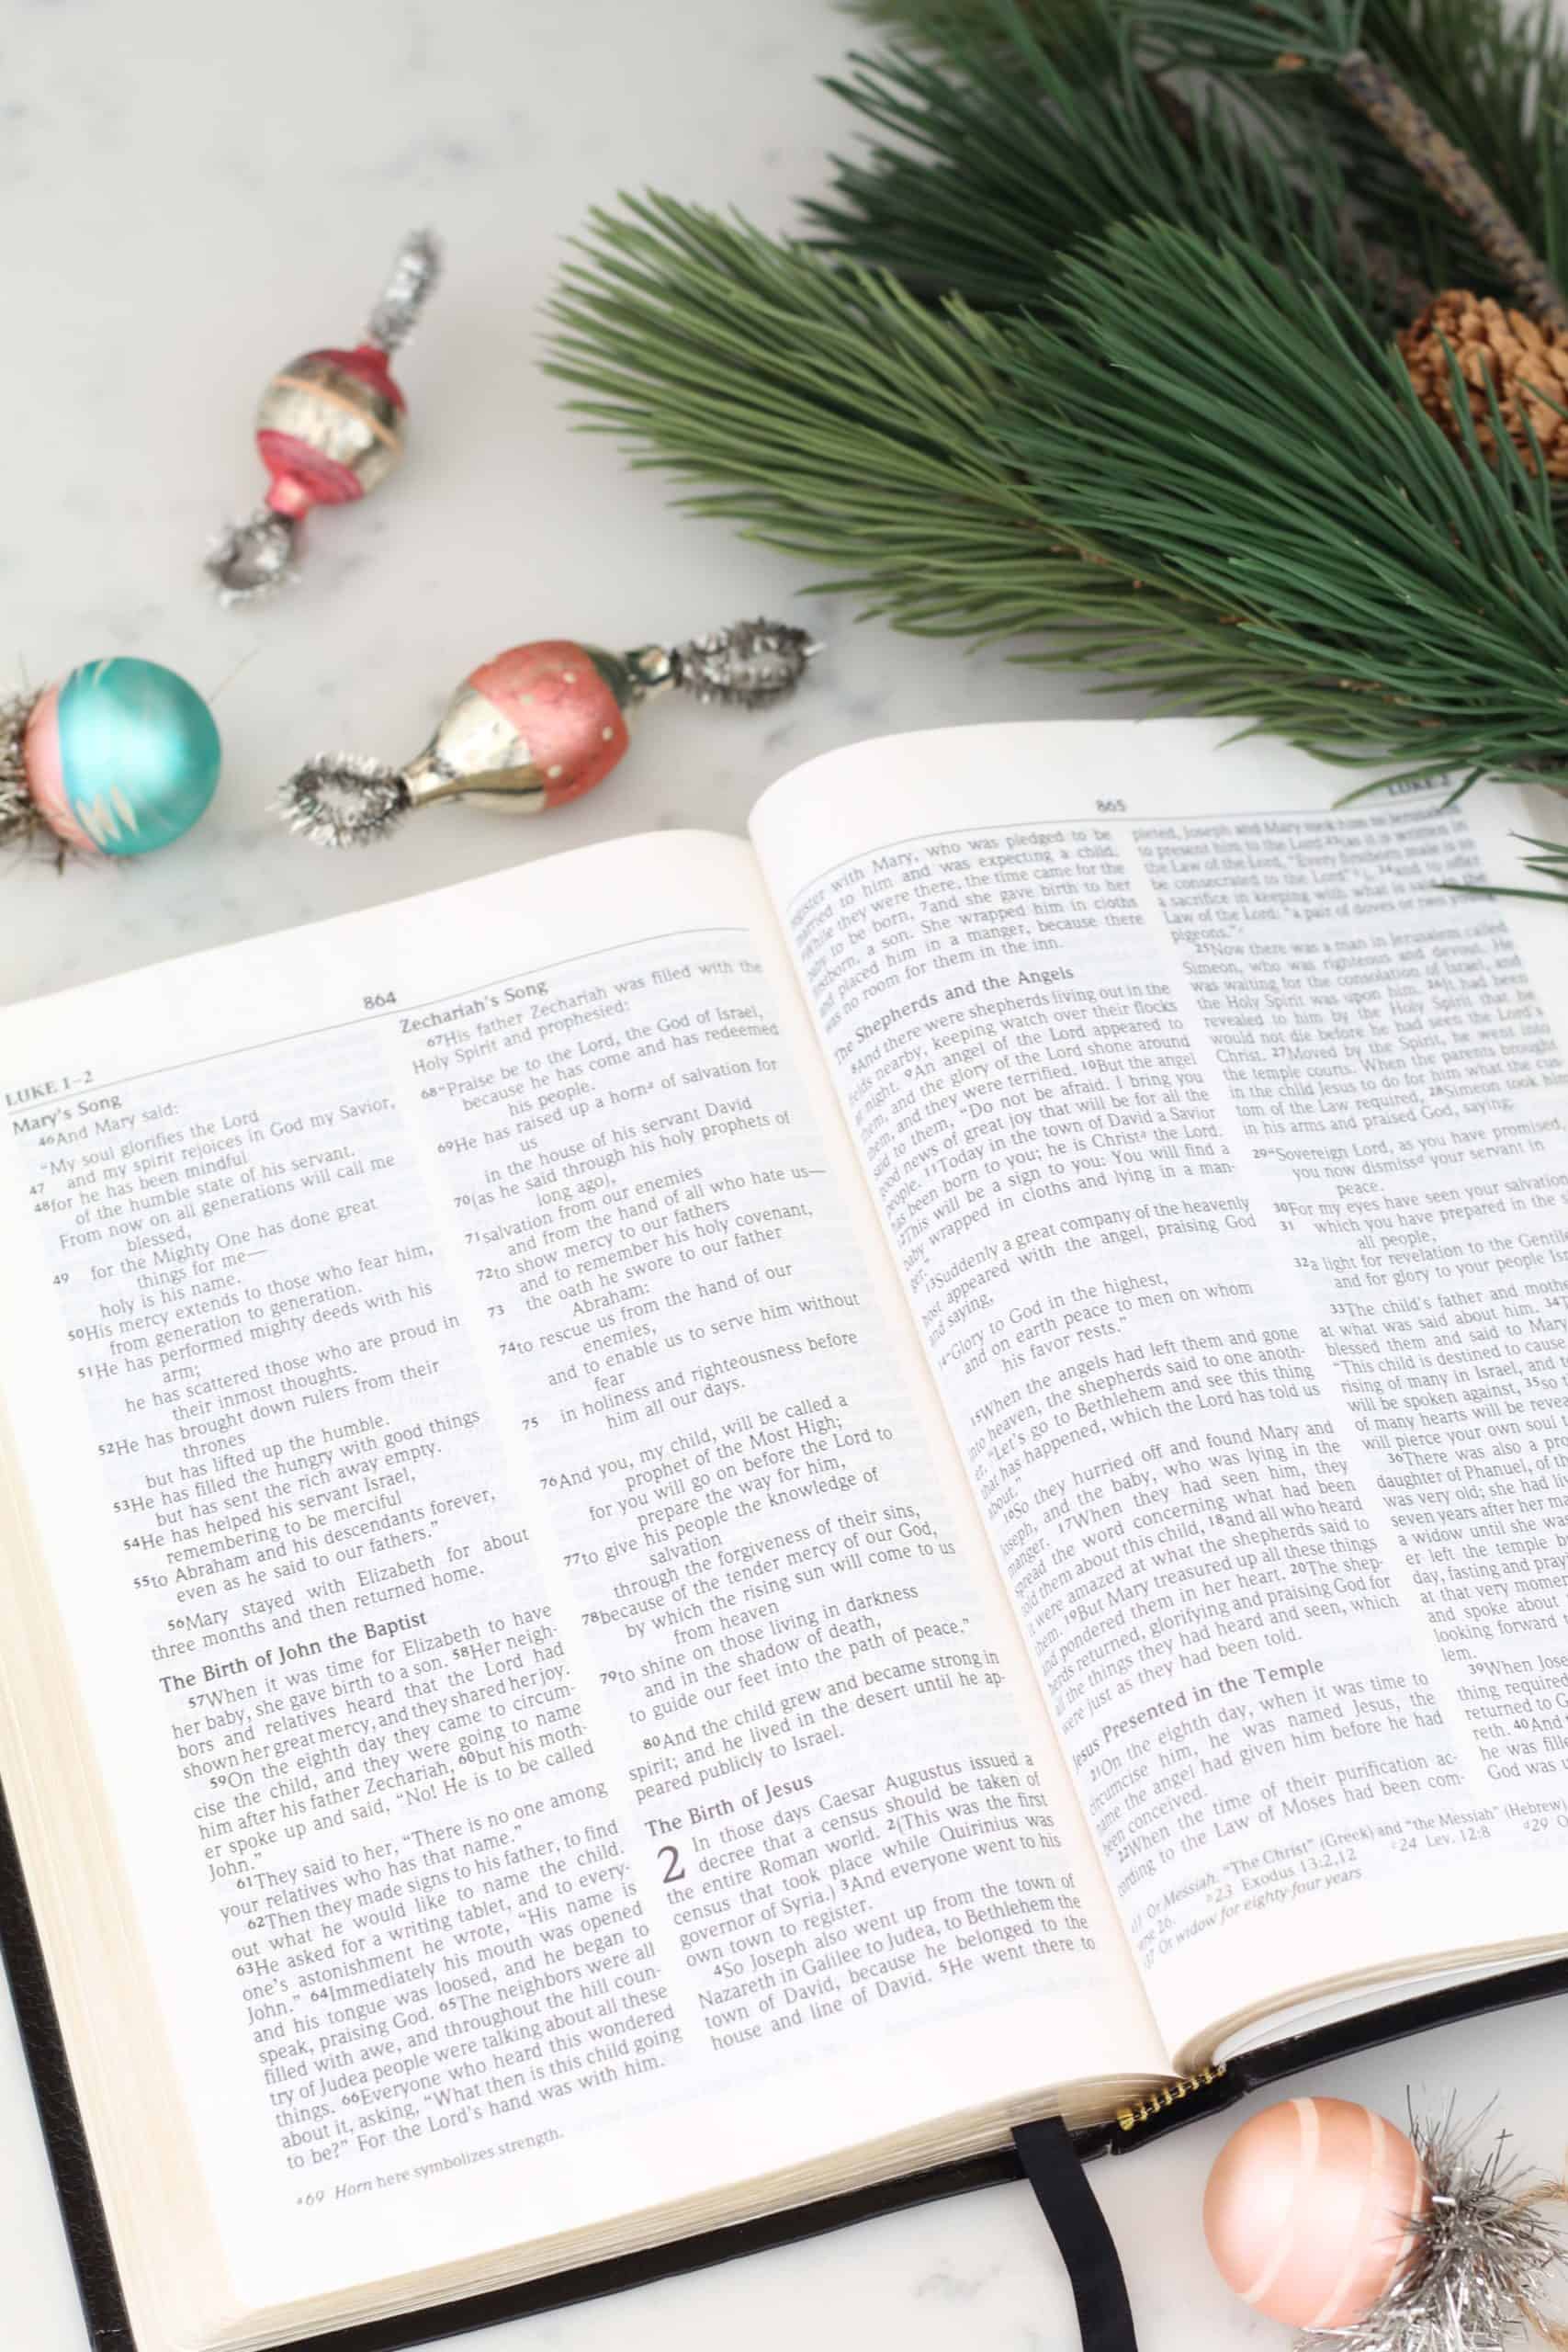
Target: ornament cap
[[648, 669]]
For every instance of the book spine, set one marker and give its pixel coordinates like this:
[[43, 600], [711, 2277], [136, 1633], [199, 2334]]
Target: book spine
[[1158, 2104]]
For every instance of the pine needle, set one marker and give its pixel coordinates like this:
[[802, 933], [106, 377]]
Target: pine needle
[[1552, 863]]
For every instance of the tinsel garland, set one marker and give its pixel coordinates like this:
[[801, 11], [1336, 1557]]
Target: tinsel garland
[[1487, 2247], [18, 812]]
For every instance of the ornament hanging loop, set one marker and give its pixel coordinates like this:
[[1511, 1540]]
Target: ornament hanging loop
[[414, 277], [541, 725], [343, 802], [748, 665], [252, 558], [330, 428]]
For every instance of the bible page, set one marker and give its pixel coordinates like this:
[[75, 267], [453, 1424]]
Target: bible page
[[1224, 1160], [568, 1747]]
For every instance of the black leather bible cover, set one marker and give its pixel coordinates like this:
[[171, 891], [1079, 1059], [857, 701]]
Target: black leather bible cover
[[109, 2330]]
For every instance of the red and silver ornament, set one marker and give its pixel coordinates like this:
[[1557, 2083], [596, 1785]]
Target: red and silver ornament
[[330, 428]]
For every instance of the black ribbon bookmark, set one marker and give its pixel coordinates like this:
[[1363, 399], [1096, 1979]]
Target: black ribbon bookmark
[[1052, 2167]]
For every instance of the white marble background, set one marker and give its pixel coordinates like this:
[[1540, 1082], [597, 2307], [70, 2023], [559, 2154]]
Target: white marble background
[[191, 192]]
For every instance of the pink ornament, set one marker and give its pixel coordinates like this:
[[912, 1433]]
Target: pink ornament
[[564, 710], [45, 771], [540, 725], [1310, 2208]]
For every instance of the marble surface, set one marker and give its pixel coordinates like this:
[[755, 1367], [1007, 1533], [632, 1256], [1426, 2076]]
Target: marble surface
[[192, 193], [188, 205]]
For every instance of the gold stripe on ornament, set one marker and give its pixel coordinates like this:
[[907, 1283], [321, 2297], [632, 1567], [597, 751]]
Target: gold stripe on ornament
[[361, 413]]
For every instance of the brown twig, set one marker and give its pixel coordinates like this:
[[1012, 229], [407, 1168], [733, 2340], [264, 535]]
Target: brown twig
[[1445, 168], [1409, 294], [1174, 107]]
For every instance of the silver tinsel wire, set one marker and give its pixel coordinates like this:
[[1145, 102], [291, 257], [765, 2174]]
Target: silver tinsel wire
[[252, 558], [343, 801], [1485, 2248], [750, 664], [415, 275], [18, 814]]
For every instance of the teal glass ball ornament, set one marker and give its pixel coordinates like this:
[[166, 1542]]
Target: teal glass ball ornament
[[121, 757]]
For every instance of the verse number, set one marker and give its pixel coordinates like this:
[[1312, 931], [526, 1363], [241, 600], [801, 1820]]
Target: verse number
[[378, 998], [675, 1868]]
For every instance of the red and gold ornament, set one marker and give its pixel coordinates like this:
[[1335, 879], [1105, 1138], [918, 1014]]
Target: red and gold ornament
[[330, 427], [540, 725]]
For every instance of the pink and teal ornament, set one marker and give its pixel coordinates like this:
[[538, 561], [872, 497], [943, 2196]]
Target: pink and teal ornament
[[120, 757], [540, 725], [330, 428]]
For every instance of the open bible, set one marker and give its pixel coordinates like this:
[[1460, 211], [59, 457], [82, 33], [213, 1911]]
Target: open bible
[[688, 1528]]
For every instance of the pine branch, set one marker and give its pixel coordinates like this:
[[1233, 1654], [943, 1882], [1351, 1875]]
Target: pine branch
[[1304, 35], [1196, 469], [936, 23], [832, 415], [994, 158], [1218, 485], [1495, 81], [1324, 40], [1373, 91], [834, 418], [1216, 429]]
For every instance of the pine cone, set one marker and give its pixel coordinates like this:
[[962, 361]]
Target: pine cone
[[1521, 360]]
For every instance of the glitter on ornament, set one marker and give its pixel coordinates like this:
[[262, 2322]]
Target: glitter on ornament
[[330, 428]]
